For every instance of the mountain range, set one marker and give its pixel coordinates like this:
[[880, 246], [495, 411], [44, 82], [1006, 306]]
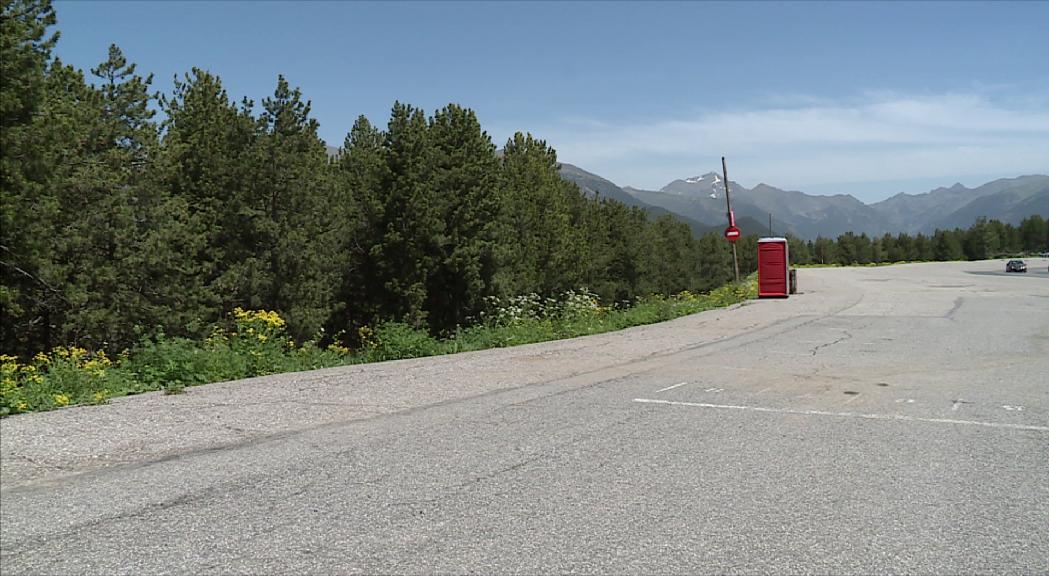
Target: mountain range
[[700, 202]]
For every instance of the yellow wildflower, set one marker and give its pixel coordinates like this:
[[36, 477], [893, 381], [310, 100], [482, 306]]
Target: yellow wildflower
[[272, 319], [217, 336], [98, 363], [100, 397], [366, 335], [9, 367], [22, 406], [41, 358], [28, 369], [338, 349], [61, 399]]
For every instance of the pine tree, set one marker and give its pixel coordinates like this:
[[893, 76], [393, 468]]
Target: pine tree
[[206, 162], [714, 262], [825, 251], [360, 175], [543, 246], [668, 259], [1034, 233], [947, 246], [799, 250], [26, 165], [107, 252], [464, 194], [922, 249], [624, 277], [411, 221], [295, 218]]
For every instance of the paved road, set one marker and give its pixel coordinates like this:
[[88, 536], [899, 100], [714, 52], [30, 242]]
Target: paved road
[[886, 420]]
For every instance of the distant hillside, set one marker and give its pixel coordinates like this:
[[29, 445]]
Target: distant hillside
[[594, 185], [701, 198], [1007, 199]]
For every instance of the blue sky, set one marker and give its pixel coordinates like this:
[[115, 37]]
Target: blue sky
[[862, 98]]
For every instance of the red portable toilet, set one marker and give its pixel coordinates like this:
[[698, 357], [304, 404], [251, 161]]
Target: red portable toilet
[[773, 268]]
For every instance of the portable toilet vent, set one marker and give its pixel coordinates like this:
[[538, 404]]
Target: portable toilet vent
[[773, 268]]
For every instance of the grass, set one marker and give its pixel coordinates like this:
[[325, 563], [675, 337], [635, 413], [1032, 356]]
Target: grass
[[256, 343]]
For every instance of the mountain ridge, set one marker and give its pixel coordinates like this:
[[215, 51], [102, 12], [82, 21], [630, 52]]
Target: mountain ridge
[[701, 199], [593, 185]]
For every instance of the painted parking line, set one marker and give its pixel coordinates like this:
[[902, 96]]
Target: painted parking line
[[848, 415], [671, 387]]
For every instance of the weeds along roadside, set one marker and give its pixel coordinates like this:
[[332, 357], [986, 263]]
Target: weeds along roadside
[[256, 344]]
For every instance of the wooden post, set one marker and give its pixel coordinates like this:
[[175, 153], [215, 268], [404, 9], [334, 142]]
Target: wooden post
[[728, 205]]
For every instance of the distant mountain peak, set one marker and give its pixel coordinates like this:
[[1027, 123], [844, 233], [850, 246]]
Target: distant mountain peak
[[956, 188], [593, 185], [707, 184], [706, 177]]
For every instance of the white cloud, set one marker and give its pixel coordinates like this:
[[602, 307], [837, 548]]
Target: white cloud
[[818, 143]]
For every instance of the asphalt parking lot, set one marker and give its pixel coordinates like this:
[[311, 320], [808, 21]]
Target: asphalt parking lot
[[885, 420]]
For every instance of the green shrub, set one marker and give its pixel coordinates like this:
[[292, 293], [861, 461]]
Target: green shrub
[[255, 343], [174, 363], [394, 340]]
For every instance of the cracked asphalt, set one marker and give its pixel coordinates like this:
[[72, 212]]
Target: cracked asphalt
[[885, 420]]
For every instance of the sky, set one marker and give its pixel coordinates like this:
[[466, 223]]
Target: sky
[[861, 98]]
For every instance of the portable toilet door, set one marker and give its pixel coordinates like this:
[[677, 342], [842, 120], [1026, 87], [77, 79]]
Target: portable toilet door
[[773, 268]]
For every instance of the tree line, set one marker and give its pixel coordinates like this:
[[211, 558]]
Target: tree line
[[983, 240], [119, 223]]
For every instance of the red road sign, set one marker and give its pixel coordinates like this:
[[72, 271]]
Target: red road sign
[[731, 233]]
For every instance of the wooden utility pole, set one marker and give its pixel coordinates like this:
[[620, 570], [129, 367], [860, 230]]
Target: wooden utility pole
[[731, 218]]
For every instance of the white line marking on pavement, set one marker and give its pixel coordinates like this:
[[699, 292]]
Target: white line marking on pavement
[[1014, 408], [714, 390], [670, 387], [848, 415], [905, 400]]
